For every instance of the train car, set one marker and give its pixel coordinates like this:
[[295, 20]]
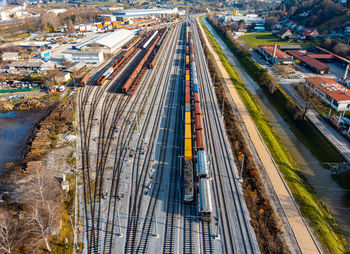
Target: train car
[[187, 97], [187, 50], [195, 87], [187, 107], [104, 76], [187, 117], [101, 80], [188, 181], [136, 71], [200, 143], [150, 40], [197, 108], [187, 83], [196, 97], [198, 122], [205, 203], [188, 131], [85, 79], [188, 149], [202, 165], [187, 60]]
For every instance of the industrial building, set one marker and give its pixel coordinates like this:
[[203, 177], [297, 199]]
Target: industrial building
[[249, 19], [10, 56], [310, 62], [136, 13], [274, 55], [330, 91], [109, 42], [87, 56]]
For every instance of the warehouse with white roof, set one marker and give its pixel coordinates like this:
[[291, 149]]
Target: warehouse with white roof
[[131, 13], [109, 42]]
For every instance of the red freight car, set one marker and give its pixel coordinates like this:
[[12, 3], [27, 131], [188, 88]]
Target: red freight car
[[197, 108], [198, 122], [85, 79], [196, 97], [200, 140], [187, 97], [134, 74]]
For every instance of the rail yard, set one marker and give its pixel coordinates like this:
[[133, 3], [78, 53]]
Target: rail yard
[[155, 165]]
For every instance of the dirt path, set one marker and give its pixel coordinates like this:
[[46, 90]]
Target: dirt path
[[302, 233]]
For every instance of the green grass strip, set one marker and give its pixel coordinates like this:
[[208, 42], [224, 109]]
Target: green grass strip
[[310, 204]]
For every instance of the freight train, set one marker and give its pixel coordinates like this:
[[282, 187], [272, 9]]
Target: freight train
[[131, 84], [195, 159]]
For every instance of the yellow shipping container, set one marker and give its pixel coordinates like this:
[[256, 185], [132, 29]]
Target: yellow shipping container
[[188, 131], [188, 149], [187, 77], [187, 117]]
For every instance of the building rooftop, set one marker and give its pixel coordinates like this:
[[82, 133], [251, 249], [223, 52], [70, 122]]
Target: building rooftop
[[110, 40], [308, 60], [330, 87], [279, 53], [144, 12]]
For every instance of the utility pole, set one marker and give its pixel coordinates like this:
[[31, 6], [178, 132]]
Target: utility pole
[[241, 174], [155, 235], [119, 228], [217, 236], [223, 104]]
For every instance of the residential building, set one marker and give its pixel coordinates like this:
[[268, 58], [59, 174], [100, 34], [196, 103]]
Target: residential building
[[330, 91], [308, 32], [284, 33]]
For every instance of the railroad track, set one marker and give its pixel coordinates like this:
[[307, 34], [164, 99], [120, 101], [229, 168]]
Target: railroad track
[[123, 141], [168, 245], [207, 245], [139, 177], [188, 228], [104, 142], [236, 231]]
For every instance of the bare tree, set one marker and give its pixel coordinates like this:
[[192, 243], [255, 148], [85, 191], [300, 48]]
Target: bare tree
[[10, 235], [42, 196], [311, 101]]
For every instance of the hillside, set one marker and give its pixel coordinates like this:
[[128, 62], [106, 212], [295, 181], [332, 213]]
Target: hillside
[[326, 15]]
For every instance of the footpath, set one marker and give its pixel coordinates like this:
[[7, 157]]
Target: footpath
[[301, 231]]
